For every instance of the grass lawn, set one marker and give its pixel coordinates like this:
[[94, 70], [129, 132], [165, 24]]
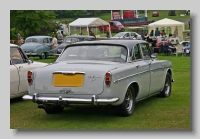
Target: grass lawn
[[155, 113]]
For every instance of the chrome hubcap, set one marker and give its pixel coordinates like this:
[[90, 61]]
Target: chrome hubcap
[[167, 86], [43, 55], [129, 100]]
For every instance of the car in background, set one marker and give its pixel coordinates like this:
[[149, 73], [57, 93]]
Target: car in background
[[155, 14], [72, 39], [126, 35], [172, 13], [83, 76], [115, 26], [186, 47], [38, 46], [19, 67]]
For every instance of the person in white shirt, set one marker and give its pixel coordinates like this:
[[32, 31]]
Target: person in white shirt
[[54, 42]]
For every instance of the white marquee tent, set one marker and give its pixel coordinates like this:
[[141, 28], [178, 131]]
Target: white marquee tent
[[88, 22], [168, 23]]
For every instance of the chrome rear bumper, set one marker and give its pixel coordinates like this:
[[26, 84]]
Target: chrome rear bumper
[[37, 99]]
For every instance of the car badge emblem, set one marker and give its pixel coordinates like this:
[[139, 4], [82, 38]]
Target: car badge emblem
[[93, 78]]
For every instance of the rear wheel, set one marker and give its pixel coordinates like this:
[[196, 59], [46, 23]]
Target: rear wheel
[[167, 88], [128, 105], [43, 56], [53, 109]]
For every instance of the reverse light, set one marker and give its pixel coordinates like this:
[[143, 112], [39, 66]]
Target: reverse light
[[30, 77], [108, 77]]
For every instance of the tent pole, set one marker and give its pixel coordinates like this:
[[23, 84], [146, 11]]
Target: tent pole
[[111, 15], [87, 30], [69, 31], [110, 31]]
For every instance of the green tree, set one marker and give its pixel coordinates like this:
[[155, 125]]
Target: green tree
[[69, 13], [32, 22]]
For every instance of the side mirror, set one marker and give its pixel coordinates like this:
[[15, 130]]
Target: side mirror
[[30, 61]]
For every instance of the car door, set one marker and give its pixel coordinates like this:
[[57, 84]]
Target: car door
[[14, 79], [132, 35], [20, 61], [156, 70], [47, 46], [142, 71]]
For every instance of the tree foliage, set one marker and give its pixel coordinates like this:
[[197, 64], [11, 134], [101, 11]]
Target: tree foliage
[[69, 13], [32, 22]]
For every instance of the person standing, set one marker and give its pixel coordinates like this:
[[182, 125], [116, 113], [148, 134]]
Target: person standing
[[107, 31], [91, 33], [59, 37], [176, 32], [54, 43], [151, 33], [163, 33], [189, 24], [61, 28], [18, 38], [157, 32]]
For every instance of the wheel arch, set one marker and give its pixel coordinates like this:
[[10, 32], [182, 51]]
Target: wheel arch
[[136, 88], [169, 71]]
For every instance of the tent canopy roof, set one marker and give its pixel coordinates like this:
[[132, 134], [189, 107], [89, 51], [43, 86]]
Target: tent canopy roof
[[166, 22], [85, 22]]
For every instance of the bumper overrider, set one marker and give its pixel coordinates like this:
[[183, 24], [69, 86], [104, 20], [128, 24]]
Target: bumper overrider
[[93, 100]]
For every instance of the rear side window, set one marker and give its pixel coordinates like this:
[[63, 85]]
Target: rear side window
[[31, 40], [16, 56]]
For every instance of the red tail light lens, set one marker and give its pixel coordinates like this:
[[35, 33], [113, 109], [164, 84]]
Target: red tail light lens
[[30, 77], [108, 77]]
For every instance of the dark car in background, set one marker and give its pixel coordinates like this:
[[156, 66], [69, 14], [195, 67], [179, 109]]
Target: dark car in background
[[73, 39], [172, 13]]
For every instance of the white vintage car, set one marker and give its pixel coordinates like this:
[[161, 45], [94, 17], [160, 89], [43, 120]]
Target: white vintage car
[[19, 67], [127, 35], [84, 75]]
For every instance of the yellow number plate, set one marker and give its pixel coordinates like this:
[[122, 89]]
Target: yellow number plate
[[68, 80]]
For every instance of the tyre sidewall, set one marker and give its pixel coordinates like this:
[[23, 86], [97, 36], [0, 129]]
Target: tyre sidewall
[[121, 109]]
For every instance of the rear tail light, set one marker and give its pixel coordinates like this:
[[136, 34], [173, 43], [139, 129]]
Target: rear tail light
[[108, 78], [30, 77]]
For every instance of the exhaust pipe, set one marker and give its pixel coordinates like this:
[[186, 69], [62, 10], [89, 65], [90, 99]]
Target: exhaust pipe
[[40, 106]]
